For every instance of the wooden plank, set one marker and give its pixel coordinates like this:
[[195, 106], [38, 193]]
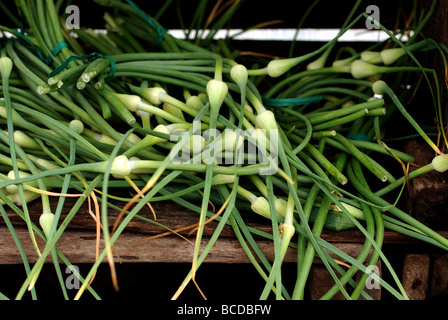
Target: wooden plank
[[416, 275], [79, 239], [352, 249], [167, 214], [320, 281], [439, 277], [79, 247], [427, 200], [437, 29], [174, 217], [372, 287], [356, 236]]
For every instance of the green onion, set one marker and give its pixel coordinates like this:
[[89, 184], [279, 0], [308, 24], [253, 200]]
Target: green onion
[[298, 141]]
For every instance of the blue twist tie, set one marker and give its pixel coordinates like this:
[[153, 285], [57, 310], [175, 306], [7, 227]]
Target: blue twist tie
[[56, 50], [89, 57], [272, 102], [152, 23], [21, 35], [359, 136]]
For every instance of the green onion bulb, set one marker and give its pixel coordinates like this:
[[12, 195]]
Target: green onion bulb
[[261, 206], [266, 120], [361, 69], [371, 57], [216, 91], [239, 74], [223, 179], [318, 63], [355, 212], [153, 95], [194, 102], [379, 87], [27, 195], [130, 101], [259, 135], [440, 163], [168, 107], [5, 66], [389, 56], [12, 188], [342, 62], [46, 222], [23, 140], [280, 206], [195, 144], [276, 68], [120, 167], [77, 126], [49, 165], [230, 142]]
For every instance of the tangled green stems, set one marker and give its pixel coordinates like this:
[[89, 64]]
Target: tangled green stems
[[309, 176]]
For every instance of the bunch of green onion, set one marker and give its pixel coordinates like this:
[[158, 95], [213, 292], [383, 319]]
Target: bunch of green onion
[[111, 112]]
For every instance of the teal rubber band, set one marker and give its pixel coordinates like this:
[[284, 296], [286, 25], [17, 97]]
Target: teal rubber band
[[273, 102], [358, 136], [21, 35], [70, 59], [113, 65], [160, 31], [89, 58], [56, 50]]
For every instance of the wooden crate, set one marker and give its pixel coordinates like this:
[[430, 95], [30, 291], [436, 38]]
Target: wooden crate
[[424, 274]]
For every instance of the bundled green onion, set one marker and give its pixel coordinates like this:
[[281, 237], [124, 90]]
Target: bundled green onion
[[296, 141]]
